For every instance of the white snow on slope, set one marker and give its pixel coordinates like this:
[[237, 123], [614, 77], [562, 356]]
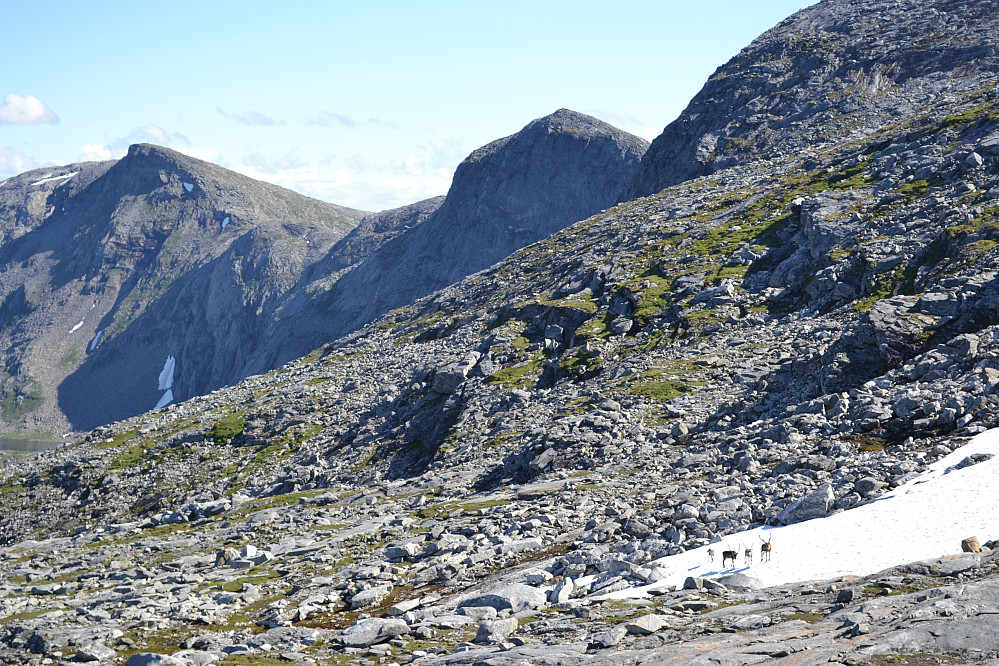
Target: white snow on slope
[[96, 340], [165, 400], [923, 519], [77, 327], [225, 222], [51, 178], [188, 186], [166, 374]]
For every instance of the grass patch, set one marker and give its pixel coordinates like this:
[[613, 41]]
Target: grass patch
[[518, 376], [810, 618], [226, 428]]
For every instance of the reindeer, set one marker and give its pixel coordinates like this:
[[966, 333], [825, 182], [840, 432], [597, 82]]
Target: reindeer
[[729, 555], [711, 554], [765, 550], [747, 554]]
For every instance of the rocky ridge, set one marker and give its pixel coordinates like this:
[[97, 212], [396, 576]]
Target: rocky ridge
[[512, 192], [464, 480]]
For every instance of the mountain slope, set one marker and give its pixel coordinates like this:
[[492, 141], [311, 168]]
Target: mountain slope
[[819, 76], [107, 270], [507, 194], [482, 475]]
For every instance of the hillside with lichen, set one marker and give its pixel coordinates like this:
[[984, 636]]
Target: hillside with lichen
[[470, 478]]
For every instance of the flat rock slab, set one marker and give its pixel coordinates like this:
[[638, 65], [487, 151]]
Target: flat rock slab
[[516, 597], [368, 632]]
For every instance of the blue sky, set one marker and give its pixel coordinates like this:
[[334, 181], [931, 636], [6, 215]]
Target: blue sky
[[369, 105]]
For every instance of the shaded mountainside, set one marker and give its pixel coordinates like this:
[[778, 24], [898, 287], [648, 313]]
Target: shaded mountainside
[[479, 476], [107, 270], [557, 170], [179, 268]]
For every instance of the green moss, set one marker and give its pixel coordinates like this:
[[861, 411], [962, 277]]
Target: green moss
[[70, 360], [810, 618], [518, 376], [914, 190], [119, 439], [226, 428], [317, 380]]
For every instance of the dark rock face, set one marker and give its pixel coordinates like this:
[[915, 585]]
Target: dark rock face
[[107, 270], [512, 192], [812, 78]]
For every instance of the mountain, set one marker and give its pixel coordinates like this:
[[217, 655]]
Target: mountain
[[519, 467], [112, 273], [557, 170], [187, 277], [817, 78]]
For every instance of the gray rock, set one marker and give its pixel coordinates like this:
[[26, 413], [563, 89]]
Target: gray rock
[[152, 659], [813, 505], [646, 624], [95, 652], [496, 631], [368, 632], [609, 637], [516, 598]]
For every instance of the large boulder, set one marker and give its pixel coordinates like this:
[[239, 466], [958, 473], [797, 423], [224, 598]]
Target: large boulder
[[366, 633], [516, 598], [813, 505]]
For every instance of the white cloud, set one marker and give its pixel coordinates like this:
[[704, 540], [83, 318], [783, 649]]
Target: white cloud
[[251, 118], [13, 162], [94, 152], [333, 119], [118, 147], [25, 110]]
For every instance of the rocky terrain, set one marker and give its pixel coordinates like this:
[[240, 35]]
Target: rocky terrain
[[557, 170], [472, 477], [128, 285]]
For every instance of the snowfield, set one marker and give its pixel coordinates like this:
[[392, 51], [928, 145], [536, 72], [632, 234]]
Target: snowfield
[[52, 178], [924, 519]]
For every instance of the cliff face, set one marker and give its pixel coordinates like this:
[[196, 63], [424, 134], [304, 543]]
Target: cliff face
[[834, 70], [557, 170], [108, 270]]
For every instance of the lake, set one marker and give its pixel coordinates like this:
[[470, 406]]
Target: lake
[[21, 448]]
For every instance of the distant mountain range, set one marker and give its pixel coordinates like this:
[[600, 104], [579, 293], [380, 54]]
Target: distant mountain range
[[127, 285]]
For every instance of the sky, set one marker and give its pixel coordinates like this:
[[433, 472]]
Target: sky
[[369, 105]]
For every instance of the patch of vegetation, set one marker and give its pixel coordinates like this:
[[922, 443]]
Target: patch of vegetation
[[21, 400], [665, 384], [810, 618], [878, 590], [518, 376], [914, 190], [317, 380], [70, 360], [226, 428]]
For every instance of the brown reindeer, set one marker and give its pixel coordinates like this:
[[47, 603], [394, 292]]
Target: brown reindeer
[[729, 555], [711, 554], [765, 550], [747, 554]]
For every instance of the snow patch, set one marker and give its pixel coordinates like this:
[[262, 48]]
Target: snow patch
[[188, 186], [924, 519], [51, 178], [165, 400], [77, 327], [96, 340], [225, 222], [166, 374]]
